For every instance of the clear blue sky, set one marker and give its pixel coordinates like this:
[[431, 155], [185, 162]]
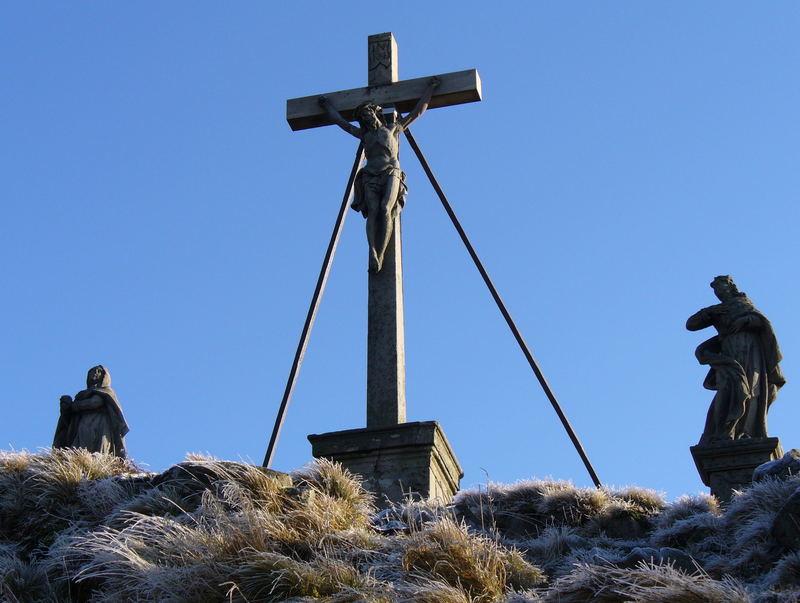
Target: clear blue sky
[[160, 217]]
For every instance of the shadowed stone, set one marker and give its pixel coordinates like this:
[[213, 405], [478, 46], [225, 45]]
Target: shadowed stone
[[728, 465], [743, 360], [782, 468]]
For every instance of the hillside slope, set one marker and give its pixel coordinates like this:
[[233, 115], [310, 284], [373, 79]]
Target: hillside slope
[[76, 526]]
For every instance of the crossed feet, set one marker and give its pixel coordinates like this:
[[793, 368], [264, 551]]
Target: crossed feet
[[374, 264]]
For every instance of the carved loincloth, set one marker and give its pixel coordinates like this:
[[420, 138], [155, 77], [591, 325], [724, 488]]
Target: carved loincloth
[[375, 184]]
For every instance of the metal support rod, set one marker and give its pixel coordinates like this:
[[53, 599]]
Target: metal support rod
[[312, 310], [511, 325]]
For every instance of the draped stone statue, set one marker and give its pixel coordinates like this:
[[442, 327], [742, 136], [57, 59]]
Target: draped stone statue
[[743, 365], [94, 419]]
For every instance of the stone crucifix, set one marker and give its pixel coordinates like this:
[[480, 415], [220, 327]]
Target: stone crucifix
[[379, 194]]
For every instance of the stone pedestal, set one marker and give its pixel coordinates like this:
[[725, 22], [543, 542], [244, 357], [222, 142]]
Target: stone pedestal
[[728, 465], [410, 459]]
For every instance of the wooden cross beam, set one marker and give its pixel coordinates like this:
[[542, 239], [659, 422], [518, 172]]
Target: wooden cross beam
[[456, 88]]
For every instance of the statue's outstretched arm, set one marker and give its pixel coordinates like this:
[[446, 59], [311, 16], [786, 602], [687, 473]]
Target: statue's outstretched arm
[[422, 104], [337, 118], [699, 320]]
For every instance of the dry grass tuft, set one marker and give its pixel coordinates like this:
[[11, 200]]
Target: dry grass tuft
[[702, 536], [480, 567], [564, 504], [165, 501], [523, 510], [335, 498], [766, 496], [200, 457], [645, 583], [42, 494], [22, 582], [247, 540], [15, 461], [54, 478], [686, 507], [528, 596], [272, 577], [649, 502], [550, 548], [432, 590], [327, 477]]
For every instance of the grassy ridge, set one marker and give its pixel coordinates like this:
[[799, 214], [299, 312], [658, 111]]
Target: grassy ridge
[[76, 526]]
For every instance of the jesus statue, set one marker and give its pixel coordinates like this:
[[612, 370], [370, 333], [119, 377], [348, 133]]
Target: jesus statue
[[380, 188]]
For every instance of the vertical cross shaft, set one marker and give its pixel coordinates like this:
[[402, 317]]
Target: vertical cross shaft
[[386, 359]]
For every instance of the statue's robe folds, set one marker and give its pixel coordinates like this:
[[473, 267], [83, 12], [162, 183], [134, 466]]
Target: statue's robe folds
[[744, 369], [370, 182], [94, 421]]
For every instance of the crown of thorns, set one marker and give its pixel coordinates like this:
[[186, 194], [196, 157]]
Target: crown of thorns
[[363, 107]]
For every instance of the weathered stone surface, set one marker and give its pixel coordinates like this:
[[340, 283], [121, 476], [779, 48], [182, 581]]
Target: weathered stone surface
[[660, 556], [94, 419], [409, 460], [457, 88], [380, 189], [386, 348], [728, 465], [782, 468], [786, 525], [743, 360], [382, 63]]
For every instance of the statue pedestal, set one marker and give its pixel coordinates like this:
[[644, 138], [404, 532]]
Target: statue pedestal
[[395, 462], [729, 464]]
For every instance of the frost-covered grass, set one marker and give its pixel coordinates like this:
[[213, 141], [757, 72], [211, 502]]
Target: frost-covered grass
[[76, 526], [645, 583]]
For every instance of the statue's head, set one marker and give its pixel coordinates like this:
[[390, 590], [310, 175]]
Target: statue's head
[[724, 287], [98, 376], [369, 116]]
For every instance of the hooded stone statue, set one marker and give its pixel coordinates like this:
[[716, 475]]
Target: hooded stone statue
[[94, 419], [743, 360]]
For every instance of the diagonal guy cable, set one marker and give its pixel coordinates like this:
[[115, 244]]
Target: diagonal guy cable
[[322, 279], [511, 325]]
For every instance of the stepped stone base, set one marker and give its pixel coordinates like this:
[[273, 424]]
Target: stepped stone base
[[728, 465], [409, 459]]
